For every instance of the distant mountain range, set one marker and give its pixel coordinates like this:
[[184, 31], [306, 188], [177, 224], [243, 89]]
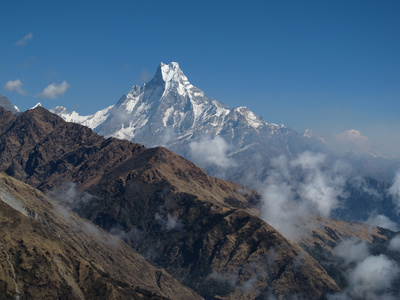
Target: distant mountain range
[[171, 112], [205, 232], [234, 144], [207, 237]]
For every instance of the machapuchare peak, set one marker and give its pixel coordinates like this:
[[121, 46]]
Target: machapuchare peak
[[170, 73]]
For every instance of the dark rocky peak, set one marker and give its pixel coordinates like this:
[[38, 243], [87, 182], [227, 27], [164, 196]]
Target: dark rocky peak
[[6, 119], [36, 122]]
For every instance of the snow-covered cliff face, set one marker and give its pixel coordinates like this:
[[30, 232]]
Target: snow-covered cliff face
[[170, 111]]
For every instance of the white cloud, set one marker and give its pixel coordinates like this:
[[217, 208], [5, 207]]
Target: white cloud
[[208, 152], [394, 190], [352, 140], [382, 221], [168, 136], [353, 136], [22, 42], [351, 250], [320, 187], [298, 188], [372, 277], [394, 244], [14, 85], [280, 210], [53, 90], [369, 276]]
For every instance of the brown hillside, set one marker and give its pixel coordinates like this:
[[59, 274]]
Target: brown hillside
[[47, 252], [200, 229]]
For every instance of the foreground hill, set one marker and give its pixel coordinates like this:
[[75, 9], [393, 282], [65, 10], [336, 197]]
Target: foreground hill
[[48, 252], [202, 230]]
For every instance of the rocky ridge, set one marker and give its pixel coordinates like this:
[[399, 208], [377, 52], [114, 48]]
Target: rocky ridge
[[48, 252], [202, 230]]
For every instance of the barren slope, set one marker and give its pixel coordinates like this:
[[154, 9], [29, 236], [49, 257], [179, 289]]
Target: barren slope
[[201, 229], [48, 252]]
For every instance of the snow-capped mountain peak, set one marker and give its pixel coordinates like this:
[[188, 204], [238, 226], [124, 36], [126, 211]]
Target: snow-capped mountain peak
[[168, 103], [171, 72], [173, 80], [170, 111], [253, 120], [37, 105]]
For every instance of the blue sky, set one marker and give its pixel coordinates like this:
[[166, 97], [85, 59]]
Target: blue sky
[[326, 65]]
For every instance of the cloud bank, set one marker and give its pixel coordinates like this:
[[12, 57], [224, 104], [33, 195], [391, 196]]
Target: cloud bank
[[14, 85], [53, 90], [211, 152], [369, 277], [372, 276], [297, 188]]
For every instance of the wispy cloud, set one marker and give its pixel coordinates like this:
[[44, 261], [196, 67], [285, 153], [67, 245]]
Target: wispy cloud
[[353, 140], [353, 136], [145, 75], [381, 221], [209, 152], [394, 244], [14, 85], [168, 222], [22, 42], [53, 90], [364, 282], [69, 195], [352, 250], [394, 190], [368, 276], [27, 64], [296, 188]]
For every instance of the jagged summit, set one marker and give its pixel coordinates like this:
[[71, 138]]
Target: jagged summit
[[170, 111], [170, 72]]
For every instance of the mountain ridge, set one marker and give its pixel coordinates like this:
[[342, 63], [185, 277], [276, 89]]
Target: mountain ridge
[[203, 230], [171, 112], [169, 79], [233, 144], [47, 252]]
